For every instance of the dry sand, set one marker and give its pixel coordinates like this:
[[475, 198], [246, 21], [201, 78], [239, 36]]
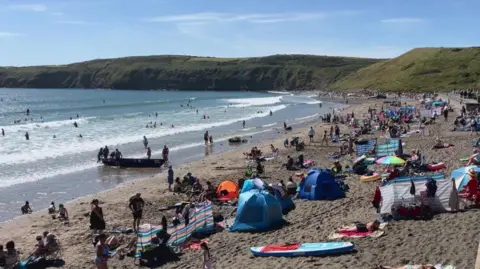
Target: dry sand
[[448, 238]]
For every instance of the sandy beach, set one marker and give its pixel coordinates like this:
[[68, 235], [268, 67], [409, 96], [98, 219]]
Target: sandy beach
[[447, 238]]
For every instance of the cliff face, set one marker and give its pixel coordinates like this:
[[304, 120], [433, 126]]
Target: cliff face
[[280, 72]]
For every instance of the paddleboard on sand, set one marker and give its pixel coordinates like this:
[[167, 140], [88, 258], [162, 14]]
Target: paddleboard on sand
[[306, 249]]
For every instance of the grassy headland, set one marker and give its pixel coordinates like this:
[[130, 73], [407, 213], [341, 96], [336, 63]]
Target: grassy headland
[[278, 72], [423, 69]]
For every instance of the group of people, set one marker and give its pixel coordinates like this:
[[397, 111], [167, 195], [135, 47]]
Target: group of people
[[103, 153]]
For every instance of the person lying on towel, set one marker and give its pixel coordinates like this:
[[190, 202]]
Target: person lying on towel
[[361, 228]]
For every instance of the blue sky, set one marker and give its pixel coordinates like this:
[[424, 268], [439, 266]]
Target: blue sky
[[64, 31]]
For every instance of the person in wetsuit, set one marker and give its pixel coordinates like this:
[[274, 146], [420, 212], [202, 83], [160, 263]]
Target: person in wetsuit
[[100, 155], [75, 124], [118, 155], [27, 136]]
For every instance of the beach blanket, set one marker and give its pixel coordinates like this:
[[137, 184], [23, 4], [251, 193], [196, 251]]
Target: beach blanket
[[200, 221], [438, 266], [375, 234], [364, 148]]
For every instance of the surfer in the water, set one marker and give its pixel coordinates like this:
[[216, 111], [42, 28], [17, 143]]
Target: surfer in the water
[[145, 141], [28, 111], [75, 124], [243, 124], [27, 136]]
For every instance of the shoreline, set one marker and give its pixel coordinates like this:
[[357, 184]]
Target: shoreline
[[128, 176], [311, 221]]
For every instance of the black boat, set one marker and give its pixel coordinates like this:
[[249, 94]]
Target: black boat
[[134, 163]]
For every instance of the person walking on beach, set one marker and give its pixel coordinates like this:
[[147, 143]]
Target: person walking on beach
[[136, 205], [145, 141], [311, 133], [473, 126], [149, 153], [324, 138], [170, 178], [205, 137], [207, 258]]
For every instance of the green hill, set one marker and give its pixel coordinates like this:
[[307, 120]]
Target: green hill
[[423, 69], [278, 72]]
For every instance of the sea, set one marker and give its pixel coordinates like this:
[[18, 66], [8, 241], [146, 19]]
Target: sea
[[57, 164]]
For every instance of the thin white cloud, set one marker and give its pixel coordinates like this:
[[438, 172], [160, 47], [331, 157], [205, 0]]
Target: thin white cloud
[[29, 7], [403, 20], [8, 34], [76, 22], [252, 18], [58, 14]]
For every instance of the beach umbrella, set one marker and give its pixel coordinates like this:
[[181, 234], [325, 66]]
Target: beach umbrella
[[461, 175], [390, 160]]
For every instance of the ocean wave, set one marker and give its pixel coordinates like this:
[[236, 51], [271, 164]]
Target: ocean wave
[[260, 101], [49, 124], [280, 92], [91, 163], [88, 144], [307, 117]]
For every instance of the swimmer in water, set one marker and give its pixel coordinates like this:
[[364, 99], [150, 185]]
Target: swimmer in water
[[27, 136], [173, 126], [75, 124]]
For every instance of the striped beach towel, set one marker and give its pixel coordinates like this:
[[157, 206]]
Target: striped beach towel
[[200, 220]]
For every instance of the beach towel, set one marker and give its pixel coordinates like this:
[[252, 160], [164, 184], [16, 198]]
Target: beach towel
[[284, 247], [375, 234], [194, 244], [200, 220]]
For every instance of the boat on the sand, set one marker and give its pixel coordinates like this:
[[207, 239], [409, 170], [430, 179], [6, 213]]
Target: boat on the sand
[[134, 163]]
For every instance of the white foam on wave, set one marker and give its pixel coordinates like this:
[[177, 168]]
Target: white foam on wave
[[307, 117], [279, 92], [261, 101], [91, 163], [49, 124], [90, 144]]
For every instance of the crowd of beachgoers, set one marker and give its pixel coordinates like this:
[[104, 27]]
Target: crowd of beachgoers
[[105, 231]]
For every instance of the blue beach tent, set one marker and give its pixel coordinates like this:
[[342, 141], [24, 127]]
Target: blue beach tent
[[320, 184], [257, 211], [285, 201]]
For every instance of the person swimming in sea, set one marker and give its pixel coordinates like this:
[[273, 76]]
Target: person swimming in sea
[[80, 135], [27, 136], [3, 132], [75, 124]]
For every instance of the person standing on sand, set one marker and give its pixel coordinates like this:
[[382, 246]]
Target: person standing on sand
[[311, 133], [97, 222], [324, 138], [170, 177], [136, 204], [207, 258]]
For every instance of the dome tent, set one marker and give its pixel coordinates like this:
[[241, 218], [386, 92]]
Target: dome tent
[[257, 211], [231, 189], [320, 184], [252, 184]]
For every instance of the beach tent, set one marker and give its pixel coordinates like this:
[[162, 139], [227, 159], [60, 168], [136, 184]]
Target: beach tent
[[252, 184], [364, 147], [461, 175], [200, 221], [257, 211], [229, 186], [285, 201], [389, 148], [397, 192], [320, 184]]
